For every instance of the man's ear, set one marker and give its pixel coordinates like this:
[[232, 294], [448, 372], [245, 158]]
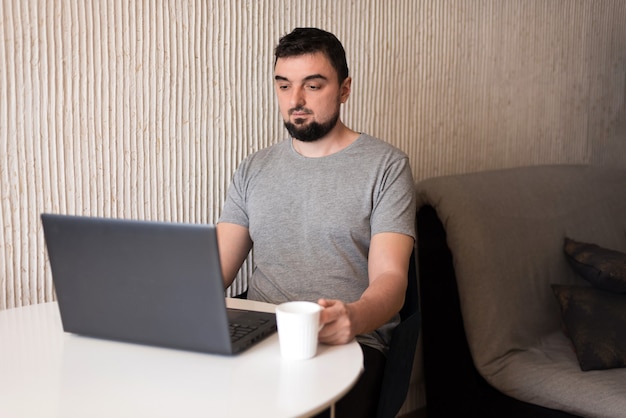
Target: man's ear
[[345, 89]]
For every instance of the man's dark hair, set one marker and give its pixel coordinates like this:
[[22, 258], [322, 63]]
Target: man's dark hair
[[309, 41]]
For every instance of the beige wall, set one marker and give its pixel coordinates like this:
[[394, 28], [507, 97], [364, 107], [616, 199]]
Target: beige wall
[[143, 109]]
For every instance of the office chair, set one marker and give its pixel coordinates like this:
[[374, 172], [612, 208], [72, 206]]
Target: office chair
[[397, 375]]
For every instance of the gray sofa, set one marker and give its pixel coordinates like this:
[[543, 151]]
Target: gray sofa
[[490, 247]]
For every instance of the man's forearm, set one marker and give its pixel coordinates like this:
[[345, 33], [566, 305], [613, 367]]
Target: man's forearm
[[378, 304]]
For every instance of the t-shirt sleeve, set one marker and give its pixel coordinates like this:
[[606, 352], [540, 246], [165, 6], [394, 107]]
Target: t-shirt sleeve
[[394, 202], [235, 208]]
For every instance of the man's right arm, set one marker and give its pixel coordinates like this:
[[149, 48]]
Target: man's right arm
[[234, 244]]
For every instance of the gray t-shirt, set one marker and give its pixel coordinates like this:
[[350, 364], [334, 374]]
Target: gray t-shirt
[[311, 219]]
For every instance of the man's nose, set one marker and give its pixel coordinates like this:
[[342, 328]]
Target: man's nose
[[297, 97]]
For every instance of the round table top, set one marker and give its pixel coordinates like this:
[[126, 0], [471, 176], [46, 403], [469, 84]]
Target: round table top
[[45, 372]]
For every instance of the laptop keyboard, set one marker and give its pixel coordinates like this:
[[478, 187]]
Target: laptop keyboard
[[238, 331]]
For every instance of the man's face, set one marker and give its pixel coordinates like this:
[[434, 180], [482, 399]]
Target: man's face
[[309, 95]]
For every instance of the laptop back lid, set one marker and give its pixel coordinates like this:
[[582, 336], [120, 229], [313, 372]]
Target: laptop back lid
[[146, 282]]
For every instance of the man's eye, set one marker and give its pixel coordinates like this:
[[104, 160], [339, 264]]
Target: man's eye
[[313, 87]]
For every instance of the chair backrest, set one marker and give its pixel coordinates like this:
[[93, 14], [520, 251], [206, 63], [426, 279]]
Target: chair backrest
[[399, 366]]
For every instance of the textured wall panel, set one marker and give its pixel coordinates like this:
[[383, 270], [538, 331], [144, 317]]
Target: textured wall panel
[[143, 109]]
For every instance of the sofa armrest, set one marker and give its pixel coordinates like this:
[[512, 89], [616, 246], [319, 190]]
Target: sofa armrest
[[454, 388]]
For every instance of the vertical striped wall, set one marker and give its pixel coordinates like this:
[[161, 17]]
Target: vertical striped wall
[[143, 109]]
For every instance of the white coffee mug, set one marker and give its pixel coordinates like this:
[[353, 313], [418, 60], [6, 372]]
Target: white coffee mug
[[298, 325]]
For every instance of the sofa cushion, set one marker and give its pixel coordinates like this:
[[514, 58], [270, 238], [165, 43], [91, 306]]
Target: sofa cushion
[[549, 374], [595, 322], [602, 267]]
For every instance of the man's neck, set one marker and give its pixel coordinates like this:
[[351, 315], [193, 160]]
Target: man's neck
[[336, 140]]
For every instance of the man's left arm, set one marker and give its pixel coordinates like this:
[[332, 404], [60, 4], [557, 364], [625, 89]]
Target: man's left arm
[[388, 265]]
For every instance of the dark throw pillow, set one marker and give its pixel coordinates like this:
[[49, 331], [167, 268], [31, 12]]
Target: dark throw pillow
[[603, 268], [595, 322]]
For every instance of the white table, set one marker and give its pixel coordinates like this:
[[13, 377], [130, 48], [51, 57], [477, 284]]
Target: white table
[[45, 372]]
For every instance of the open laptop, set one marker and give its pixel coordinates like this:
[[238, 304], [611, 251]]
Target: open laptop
[[154, 283]]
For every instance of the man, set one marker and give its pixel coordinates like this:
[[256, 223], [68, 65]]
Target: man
[[330, 212]]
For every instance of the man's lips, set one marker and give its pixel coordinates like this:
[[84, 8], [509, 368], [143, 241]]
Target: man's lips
[[298, 113]]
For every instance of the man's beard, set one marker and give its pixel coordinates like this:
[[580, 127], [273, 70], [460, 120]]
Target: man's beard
[[312, 131]]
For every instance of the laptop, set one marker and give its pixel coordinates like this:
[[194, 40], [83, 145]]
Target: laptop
[[153, 283]]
